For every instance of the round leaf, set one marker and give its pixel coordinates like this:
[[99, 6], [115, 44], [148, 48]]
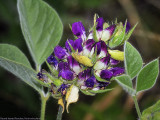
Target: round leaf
[[13, 53], [133, 60], [13, 60], [41, 27], [147, 76]]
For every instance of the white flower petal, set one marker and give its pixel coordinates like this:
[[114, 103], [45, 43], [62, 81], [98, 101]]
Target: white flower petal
[[99, 34], [99, 65], [105, 35], [95, 89], [77, 69], [90, 36], [91, 53], [72, 96], [102, 54], [86, 52]]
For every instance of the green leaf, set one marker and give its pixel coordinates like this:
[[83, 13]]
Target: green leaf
[[130, 33], [152, 113], [23, 72], [115, 22], [147, 76], [125, 82], [133, 60], [86, 92], [100, 91], [95, 33], [114, 33], [13, 60], [41, 27], [94, 56], [13, 53]]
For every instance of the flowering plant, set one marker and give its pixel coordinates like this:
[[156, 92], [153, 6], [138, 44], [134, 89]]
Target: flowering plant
[[88, 64]]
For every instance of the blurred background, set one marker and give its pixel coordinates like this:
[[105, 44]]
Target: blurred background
[[19, 100]]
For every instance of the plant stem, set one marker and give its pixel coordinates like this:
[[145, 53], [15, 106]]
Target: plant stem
[[59, 115], [44, 99], [60, 110], [38, 68], [137, 106]]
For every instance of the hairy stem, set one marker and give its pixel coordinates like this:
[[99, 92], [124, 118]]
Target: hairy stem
[[60, 110], [44, 99], [59, 115], [137, 107]]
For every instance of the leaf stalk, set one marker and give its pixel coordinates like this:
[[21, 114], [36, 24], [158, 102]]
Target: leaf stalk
[[137, 106]]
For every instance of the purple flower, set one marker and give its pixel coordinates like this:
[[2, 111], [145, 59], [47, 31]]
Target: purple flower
[[84, 62], [97, 47], [101, 49], [63, 66], [79, 30], [106, 74], [64, 71], [103, 85], [84, 75], [67, 46], [102, 63], [114, 62], [78, 45], [66, 74], [100, 22], [90, 82], [128, 26], [111, 29], [40, 76], [88, 45], [117, 71], [107, 33], [104, 51], [63, 89], [52, 60], [60, 52], [73, 64]]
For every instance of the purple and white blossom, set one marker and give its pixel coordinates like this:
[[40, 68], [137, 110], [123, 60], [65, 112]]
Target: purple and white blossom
[[60, 52], [84, 62], [79, 30]]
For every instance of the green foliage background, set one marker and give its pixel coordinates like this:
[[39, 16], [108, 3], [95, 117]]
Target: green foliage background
[[19, 100]]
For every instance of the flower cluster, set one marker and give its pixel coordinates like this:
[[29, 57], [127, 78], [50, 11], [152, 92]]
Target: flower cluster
[[88, 62]]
